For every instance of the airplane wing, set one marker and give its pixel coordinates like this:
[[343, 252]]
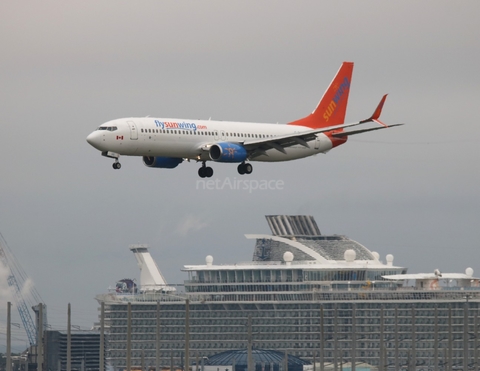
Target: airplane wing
[[259, 147], [347, 133]]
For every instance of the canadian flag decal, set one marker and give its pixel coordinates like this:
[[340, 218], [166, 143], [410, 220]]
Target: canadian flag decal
[[119, 137]]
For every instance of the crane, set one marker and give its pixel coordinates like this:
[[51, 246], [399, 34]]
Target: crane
[[16, 279]]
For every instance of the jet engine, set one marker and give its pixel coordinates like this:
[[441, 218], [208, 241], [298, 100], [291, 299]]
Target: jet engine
[[162, 162], [228, 152]]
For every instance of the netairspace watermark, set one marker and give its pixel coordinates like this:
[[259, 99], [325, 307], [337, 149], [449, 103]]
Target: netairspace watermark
[[235, 184]]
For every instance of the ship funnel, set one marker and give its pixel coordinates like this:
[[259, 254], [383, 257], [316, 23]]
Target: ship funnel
[[151, 279]]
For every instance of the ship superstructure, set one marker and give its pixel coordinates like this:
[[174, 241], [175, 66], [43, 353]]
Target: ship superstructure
[[311, 295]]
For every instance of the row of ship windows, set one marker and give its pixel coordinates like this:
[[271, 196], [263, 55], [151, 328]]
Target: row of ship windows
[[206, 133], [422, 339], [288, 321], [295, 275], [119, 358], [372, 350], [403, 316], [405, 330], [218, 310]]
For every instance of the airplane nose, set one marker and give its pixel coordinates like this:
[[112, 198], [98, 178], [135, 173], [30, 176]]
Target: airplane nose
[[90, 138], [94, 140]]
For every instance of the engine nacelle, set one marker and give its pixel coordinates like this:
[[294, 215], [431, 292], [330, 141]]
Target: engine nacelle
[[162, 162], [228, 152]]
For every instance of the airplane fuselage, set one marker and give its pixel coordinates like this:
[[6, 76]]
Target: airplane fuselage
[[189, 139]]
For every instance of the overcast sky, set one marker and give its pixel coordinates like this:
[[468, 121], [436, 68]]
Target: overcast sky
[[67, 67]]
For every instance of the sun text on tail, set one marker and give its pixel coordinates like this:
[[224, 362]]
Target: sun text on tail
[[332, 107]]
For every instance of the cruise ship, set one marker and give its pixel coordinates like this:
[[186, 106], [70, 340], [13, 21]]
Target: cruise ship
[[322, 298]]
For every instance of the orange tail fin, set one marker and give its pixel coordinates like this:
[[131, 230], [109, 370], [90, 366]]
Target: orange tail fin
[[332, 107]]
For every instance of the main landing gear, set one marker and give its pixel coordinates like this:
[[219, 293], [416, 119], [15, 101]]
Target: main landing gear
[[245, 168], [205, 171]]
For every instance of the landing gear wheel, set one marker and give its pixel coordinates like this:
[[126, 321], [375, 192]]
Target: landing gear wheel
[[205, 171], [241, 169], [116, 165], [244, 168], [208, 172]]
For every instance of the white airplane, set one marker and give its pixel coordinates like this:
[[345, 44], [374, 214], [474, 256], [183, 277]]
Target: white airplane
[[167, 142]]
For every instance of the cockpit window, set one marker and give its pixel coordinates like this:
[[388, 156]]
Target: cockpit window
[[109, 128]]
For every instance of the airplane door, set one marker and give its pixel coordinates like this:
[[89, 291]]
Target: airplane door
[[133, 130]]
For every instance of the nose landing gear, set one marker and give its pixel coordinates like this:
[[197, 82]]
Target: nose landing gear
[[116, 165]]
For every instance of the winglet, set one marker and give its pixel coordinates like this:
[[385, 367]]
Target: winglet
[[377, 113]]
